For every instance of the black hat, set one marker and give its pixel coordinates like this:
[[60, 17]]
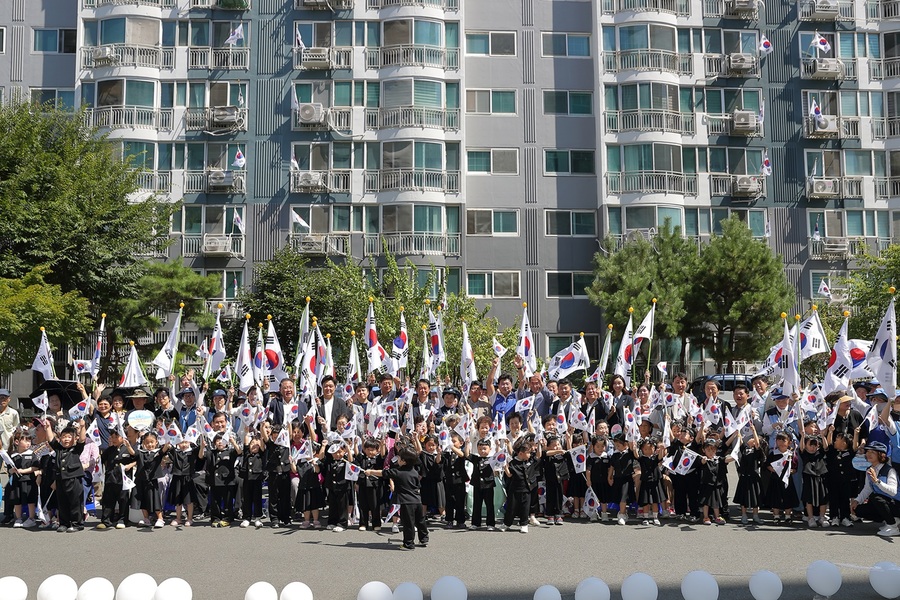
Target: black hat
[[877, 446], [453, 391]]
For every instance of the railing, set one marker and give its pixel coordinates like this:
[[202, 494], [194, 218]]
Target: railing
[[212, 244], [129, 117], [893, 186], [721, 65], [884, 68], [130, 55], [650, 120], [340, 119], [198, 181], [224, 4], [422, 180], [647, 60], [723, 184], [219, 58], [320, 243], [320, 181], [681, 8], [215, 118], [323, 4], [826, 10], [730, 9], [154, 181], [323, 58], [652, 182], [876, 11], [413, 55], [831, 126], [852, 187], [433, 244], [724, 125], [155, 248], [872, 246], [829, 248], [412, 116], [810, 68], [438, 4], [156, 3]]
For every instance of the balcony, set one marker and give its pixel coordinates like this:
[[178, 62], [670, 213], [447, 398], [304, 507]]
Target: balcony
[[824, 187], [681, 8], [219, 119], [884, 68], [313, 116], [318, 59], [412, 180], [884, 10], [222, 4], [829, 248], [413, 55], [153, 3], [648, 60], [425, 244], [127, 55], [731, 9], [748, 187], [742, 123], [156, 248], [872, 246], [652, 182], [829, 69], [208, 244], [154, 181], [831, 127], [129, 117], [667, 121], [321, 244], [215, 181], [313, 182], [437, 4], [323, 4], [731, 65], [826, 10], [393, 117], [219, 58]]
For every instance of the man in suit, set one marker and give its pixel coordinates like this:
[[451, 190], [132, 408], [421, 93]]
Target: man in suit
[[329, 408]]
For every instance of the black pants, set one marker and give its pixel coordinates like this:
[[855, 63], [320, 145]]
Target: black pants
[[337, 506], [200, 489], [839, 493], [280, 497], [456, 503], [70, 496], [483, 496], [412, 519], [554, 499], [517, 505], [686, 488], [879, 508], [369, 506], [115, 504], [252, 505], [221, 502], [7, 505]]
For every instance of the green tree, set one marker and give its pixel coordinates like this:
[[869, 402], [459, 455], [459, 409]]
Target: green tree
[[737, 295], [869, 290], [29, 303]]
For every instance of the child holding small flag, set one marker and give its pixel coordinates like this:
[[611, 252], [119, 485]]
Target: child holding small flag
[[118, 453], [432, 470], [309, 497], [182, 491], [521, 479], [456, 478], [624, 473], [782, 497], [253, 474], [369, 487], [148, 473], [276, 442], [747, 492], [650, 494], [336, 482], [555, 470], [23, 488], [407, 493], [69, 474], [220, 461], [597, 473], [483, 484], [815, 494]]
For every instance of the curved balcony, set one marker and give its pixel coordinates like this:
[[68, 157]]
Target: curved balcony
[[645, 119], [426, 244], [222, 4], [129, 117], [151, 3], [413, 55], [393, 117], [412, 180], [219, 58], [681, 8], [127, 55], [648, 60], [324, 244], [885, 9], [652, 182], [447, 5]]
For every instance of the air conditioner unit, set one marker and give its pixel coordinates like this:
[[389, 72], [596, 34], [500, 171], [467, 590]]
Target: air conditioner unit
[[743, 121], [825, 188], [745, 185], [827, 124], [322, 3], [743, 5], [311, 179], [311, 113], [825, 10], [827, 68], [217, 178], [316, 58], [104, 53], [225, 115], [216, 245], [741, 62]]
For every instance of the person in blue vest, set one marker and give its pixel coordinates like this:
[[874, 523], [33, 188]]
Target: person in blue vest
[[879, 499]]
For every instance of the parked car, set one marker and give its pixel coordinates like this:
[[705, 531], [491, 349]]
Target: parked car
[[726, 381]]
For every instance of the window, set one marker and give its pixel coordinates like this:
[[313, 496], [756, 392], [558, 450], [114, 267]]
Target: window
[[497, 161], [492, 222], [567, 284], [556, 343], [58, 41], [493, 284], [561, 102], [62, 99], [2, 40], [566, 222], [317, 218], [486, 102], [566, 44], [491, 43], [576, 162], [232, 282]]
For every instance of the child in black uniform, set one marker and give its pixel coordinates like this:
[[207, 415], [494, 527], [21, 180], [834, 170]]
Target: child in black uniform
[[310, 496], [712, 487], [370, 488], [253, 473], [149, 471], [814, 494], [278, 467], [334, 468], [118, 453], [69, 474], [747, 492], [521, 478], [483, 484], [623, 471], [781, 497], [182, 493], [23, 486], [650, 494], [597, 474], [841, 478], [456, 477], [555, 470], [220, 470], [407, 494], [432, 471]]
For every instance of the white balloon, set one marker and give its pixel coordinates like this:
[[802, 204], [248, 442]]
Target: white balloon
[[97, 588], [547, 592], [407, 591], [174, 588], [449, 588], [766, 585], [138, 586], [824, 578], [13, 588], [699, 585], [884, 577], [296, 590], [592, 588], [261, 590], [375, 590], [58, 587], [639, 586]]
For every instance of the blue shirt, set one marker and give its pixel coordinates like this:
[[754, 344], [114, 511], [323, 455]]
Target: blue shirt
[[505, 405], [188, 417]]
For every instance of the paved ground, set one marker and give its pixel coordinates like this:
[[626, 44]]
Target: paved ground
[[221, 564]]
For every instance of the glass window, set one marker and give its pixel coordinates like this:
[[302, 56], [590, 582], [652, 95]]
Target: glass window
[[478, 43], [583, 223], [478, 222], [478, 284], [559, 222], [506, 284], [503, 102], [479, 161], [112, 31], [581, 103], [46, 40], [559, 285], [556, 161], [505, 221]]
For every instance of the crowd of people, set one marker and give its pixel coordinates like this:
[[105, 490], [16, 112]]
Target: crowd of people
[[501, 456]]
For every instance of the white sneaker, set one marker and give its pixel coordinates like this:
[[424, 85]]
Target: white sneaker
[[656, 521], [143, 523], [395, 528], [330, 528], [338, 529], [532, 520], [121, 525], [501, 527], [362, 528], [29, 523], [811, 521], [159, 523], [18, 524], [489, 528], [258, 524], [621, 519], [523, 529], [889, 531], [245, 524], [845, 522], [823, 522]]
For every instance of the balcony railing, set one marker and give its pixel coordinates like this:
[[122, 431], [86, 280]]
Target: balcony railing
[[340, 119], [429, 244], [832, 68], [127, 55], [884, 68], [412, 116], [826, 10], [737, 186], [647, 60], [320, 181], [413, 55], [731, 65], [669, 121], [731, 9], [652, 182], [208, 244], [213, 180], [154, 249], [326, 244], [876, 11], [681, 8], [829, 248], [323, 4], [831, 126], [421, 180], [129, 117], [323, 58], [223, 4], [154, 181], [872, 246], [727, 125], [438, 4], [219, 58], [216, 118], [156, 3]]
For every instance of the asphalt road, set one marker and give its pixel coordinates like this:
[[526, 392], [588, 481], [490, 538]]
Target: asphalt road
[[220, 564]]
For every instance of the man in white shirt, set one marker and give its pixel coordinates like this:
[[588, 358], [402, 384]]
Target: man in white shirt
[[9, 420]]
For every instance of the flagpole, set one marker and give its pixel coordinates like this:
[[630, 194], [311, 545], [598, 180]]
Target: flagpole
[[207, 366], [631, 312], [797, 355], [652, 327], [177, 335]]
